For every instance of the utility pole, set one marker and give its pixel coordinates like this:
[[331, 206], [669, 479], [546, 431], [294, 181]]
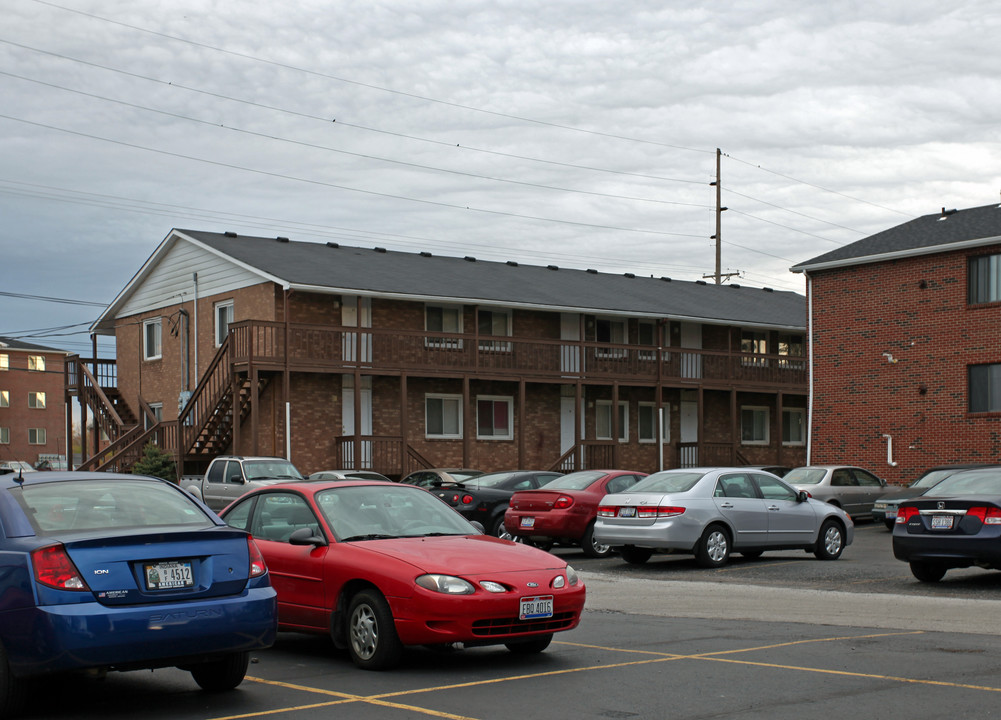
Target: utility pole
[[719, 275]]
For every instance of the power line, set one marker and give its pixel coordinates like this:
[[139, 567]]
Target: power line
[[328, 76], [365, 156], [46, 298]]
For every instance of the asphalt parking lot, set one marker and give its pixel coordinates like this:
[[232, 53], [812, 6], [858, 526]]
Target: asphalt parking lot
[[784, 637]]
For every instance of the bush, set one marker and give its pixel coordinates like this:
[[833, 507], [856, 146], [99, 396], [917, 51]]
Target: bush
[[157, 463]]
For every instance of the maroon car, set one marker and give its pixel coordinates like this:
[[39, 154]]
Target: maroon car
[[565, 509]]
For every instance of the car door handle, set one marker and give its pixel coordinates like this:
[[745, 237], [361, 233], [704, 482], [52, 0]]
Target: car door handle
[[726, 505], [774, 507]]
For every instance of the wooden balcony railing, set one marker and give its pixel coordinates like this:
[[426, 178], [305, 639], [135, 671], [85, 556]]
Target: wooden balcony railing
[[324, 347]]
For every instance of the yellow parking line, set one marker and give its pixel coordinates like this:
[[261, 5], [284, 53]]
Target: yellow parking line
[[383, 699]]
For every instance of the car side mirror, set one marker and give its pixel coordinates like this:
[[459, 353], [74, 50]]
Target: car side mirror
[[236, 479], [802, 496], [305, 536]]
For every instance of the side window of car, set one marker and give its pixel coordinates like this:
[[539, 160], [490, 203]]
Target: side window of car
[[217, 472], [841, 478], [866, 479], [620, 484], [772, 489], [239, 516], [526, 484], [278, 515], [736, 486], [233, 470]]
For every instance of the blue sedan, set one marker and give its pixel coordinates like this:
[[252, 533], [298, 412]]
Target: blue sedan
[[121, 572]]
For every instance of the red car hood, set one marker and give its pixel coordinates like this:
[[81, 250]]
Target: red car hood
[[465, 554]]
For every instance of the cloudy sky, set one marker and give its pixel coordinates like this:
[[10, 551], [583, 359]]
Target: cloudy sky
[[581, 134]]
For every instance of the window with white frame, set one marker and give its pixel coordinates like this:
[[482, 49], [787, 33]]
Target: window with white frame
[[603, 420], [985, 388], [646, 334], [4, 361], [443, 319], [36, 436], [794, 426], [756, 343], [4, 436], [443, 416], [494, 419], [754, 425], [647, 423], [495, 322], [223, 319], [36, 400], [151, 339], [36, 363], [612, 331], [4, 398], [157, 409], [983, 279]]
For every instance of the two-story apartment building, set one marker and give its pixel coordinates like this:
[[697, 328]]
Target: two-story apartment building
[[34, 426], [344, 357], [905, 331]]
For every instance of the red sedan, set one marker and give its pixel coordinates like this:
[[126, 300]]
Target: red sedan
[[380, 566], [565, 509]]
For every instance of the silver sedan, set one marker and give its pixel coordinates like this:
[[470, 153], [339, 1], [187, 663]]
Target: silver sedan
[[711, 512], [852, 488]]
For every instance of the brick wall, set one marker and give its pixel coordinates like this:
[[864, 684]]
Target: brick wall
[[914, 310], [19, 381]]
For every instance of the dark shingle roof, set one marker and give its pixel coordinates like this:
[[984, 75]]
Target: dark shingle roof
[[421, 275], [938, 232], [7, 343]]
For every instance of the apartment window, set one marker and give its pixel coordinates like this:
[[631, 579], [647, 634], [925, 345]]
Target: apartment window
[[443, 319], [495, 322], [983, 279], [985, 388], [36, 363], [443, 416], [151, 339], [647, 423], [603, 418], [755, 343], [157, 409], [223, 319], [4, 436], [4, 398], [646, 334], [794, 426], [36, 400], [494, 418], [794, 347], [4, 361], [36, 436], [754, 425], [612, 331]]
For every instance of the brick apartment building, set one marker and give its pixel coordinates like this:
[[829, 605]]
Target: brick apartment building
[[33, 423], [349, 357], [905, 331]]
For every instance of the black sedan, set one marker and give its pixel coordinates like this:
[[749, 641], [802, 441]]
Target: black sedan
[[955, 524], [485, 498]]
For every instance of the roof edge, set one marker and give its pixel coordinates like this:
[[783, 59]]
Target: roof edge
[[902, 254]]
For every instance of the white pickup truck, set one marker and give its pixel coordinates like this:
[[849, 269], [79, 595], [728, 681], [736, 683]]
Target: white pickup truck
[[230, 476]]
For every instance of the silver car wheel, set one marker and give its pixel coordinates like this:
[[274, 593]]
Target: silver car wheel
[[716, 546], [364, 632], [833, 540]]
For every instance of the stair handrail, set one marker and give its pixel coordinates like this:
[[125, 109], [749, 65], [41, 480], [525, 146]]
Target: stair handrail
[[106, 404], [138, 440], [111, 450], [188, 427]]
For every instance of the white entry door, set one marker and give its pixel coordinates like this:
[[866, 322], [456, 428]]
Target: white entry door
[[691, 337], [348, 421], [689, 433]]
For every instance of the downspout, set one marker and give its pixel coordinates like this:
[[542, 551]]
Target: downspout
[[809, 402], [194, 308]]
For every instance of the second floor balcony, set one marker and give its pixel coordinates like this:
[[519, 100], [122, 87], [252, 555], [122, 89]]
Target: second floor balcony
[[269, 345]]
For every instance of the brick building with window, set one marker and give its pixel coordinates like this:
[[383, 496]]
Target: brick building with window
[[33, 421], [905, 331], [344, 357]]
